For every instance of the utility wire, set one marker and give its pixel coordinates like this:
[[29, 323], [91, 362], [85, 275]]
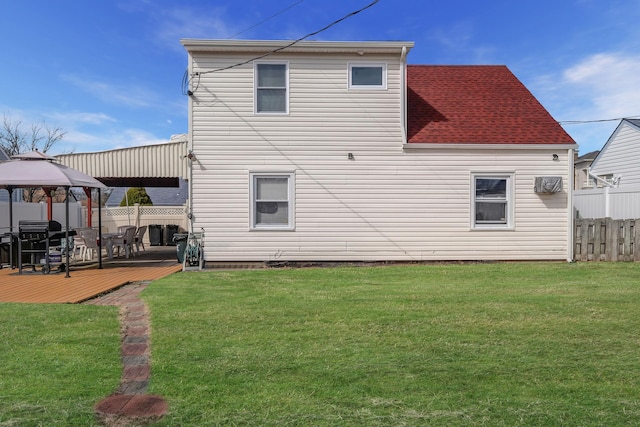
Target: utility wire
[[265, 20], [582, 122], [325, 28]]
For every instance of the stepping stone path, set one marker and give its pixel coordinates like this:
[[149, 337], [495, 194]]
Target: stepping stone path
[[130, 404]]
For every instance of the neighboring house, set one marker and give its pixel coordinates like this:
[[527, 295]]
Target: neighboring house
[[581, 166], [340, 151], [614, 187], [617, 162], [160, 196]]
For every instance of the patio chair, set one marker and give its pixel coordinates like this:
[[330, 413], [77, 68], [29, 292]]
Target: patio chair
[[123, 228], [77, 248], [138, 238], [125, 241], [90, 238]]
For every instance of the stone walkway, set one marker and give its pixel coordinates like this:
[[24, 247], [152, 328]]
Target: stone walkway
[[130, 403]]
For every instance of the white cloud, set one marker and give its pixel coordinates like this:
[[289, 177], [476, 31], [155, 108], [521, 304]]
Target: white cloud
[[611, 81], [131, 95], [79, 141], [135, 138], [80, 117], [180, 23], [597, 87]]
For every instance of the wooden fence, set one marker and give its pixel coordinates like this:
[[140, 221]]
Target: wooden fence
[[606, 239]]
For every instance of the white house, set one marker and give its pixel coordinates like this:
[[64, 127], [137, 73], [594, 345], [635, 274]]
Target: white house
[[340, 151], [613, 189]]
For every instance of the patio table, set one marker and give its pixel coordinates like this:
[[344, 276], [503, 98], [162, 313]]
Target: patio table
[[108, 240]]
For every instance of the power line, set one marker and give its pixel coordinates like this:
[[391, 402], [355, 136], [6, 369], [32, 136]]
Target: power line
[[288, 45], [267, 19], [582, 122]]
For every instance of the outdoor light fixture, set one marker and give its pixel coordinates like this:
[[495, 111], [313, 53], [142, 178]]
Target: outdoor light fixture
[[350, 156], [191, 156], [555, 157]]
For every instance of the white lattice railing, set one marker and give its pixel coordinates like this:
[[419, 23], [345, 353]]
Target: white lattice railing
[[137, 215]]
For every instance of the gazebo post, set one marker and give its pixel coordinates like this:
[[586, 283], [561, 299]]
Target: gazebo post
[[66, 228], [99, 229], [87, 192], [10, 190]]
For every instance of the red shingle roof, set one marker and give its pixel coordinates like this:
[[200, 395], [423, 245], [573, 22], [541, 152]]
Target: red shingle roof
[[476, 105]]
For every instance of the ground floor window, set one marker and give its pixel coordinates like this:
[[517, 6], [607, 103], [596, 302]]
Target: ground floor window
[[492, 205], [272, 201]]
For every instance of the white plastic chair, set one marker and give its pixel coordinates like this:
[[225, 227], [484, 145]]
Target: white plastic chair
[[90, 237], [138, 238], [79, 248], [125, 241]]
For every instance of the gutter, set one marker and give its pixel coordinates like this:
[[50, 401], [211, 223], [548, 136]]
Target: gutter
[[570, 213], [190, 155]]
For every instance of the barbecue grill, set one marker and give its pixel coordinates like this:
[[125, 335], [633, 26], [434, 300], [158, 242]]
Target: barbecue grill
[[35, 240]]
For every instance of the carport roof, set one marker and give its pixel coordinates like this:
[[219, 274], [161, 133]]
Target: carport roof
[[159, 165]]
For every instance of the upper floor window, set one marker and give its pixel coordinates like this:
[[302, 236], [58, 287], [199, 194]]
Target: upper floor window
[[271, 87], [367, 76], [492, 201]]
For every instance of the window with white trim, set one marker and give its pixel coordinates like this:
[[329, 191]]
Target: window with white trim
[[271, 81], [367, 76], [492, 205], [272, 196]]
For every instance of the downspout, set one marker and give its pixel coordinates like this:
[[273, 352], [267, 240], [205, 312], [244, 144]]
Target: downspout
[[571, 239], [403, 94], [190, 155]]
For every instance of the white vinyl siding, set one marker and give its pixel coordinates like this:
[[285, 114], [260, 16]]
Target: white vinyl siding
[[617, 162], [621, 156], [388, 203]]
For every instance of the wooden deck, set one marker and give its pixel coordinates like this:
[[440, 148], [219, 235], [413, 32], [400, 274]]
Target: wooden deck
[[86, 281]]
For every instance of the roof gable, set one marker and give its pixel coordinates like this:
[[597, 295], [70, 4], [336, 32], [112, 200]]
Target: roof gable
[[476, 105], [627, 144]]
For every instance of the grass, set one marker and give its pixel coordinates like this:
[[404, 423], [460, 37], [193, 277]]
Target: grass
[[500, 344], [521, 344], [56, 363]]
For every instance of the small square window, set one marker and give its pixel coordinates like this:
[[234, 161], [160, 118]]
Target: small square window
[[271, 88], [367, 76]]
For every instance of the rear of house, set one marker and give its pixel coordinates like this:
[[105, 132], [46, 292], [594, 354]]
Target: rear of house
[[340, 151]]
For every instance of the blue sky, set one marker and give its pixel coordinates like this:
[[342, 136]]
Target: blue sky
[[109, 72]]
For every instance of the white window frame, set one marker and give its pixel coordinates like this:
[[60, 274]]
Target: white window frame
[[256, 88], [253, 178], [509, 200], [381, 65]]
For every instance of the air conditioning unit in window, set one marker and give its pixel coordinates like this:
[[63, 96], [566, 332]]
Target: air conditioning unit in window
[[548, 184]]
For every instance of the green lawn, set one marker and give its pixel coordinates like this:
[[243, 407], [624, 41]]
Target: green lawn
[[498, 344], [472, 344], [56, 363]]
